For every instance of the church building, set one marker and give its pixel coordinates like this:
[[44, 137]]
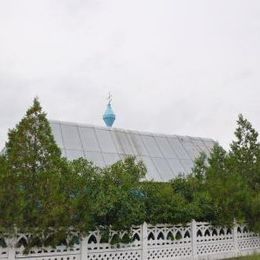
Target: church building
[[165, 156]]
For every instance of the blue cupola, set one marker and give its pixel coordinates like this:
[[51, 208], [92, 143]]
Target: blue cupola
[[109, 115]]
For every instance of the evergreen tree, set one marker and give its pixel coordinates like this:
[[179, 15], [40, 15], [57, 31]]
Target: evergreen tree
[[245, 153], [10, 199], [200, 169], [245, 161], [31, 147], [35, 161], [228, 190]]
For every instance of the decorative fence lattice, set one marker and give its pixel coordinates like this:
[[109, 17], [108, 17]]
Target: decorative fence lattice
[[197, 240]]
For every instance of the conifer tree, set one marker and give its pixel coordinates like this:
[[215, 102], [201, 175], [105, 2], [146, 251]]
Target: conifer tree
[[10, 199], [245, 161], [31, 147], [35, 160], [245, 153]]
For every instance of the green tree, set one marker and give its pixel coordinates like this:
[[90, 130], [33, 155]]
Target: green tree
[[82, 184], [164, 204], [35, 163], [245, 153], [193, 189], [120, 201], [230, 180], [108, 198], [10, 199]]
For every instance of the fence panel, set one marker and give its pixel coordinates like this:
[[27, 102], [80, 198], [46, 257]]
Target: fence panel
[[196, 240]]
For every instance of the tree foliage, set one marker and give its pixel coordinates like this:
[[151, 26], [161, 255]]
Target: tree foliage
[[51, 198], [32, 175], [226, 186]]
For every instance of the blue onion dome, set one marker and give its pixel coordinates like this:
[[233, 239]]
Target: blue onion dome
[[109, 116]]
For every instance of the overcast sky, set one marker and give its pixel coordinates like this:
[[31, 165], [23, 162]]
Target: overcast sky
[[176, 67]]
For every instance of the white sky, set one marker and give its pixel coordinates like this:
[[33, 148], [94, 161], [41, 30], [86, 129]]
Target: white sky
[[176, 67]]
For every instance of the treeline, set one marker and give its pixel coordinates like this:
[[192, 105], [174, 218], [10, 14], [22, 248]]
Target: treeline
[[49, 197]]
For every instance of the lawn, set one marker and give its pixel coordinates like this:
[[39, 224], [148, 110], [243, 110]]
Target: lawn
[[250, 257]]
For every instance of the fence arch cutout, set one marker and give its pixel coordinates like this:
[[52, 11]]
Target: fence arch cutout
[[199, 233], [214, 232], [178, 235], [22, 242], [115, 239], [187, 234], [136, 237], [160, 236], [92, 239], [170, 236], [207, 233], [221, 232], [151, 236]]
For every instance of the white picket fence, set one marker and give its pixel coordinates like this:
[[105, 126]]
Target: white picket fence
[[197, 240]]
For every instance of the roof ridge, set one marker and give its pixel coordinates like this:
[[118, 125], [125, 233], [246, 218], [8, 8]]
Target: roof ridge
[[130, 130]]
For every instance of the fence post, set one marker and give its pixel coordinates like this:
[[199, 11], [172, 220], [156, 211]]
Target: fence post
[[235, 239], [144, 239], [194, 238], [11, 248], [11, 253], [84, 249]]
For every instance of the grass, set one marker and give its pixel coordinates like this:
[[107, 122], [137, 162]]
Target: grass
[[249, 257]]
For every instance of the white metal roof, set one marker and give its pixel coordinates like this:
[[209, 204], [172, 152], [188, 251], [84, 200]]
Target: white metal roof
[[165, 156]]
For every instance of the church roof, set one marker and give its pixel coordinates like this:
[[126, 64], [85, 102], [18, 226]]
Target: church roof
[[165, 156]]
